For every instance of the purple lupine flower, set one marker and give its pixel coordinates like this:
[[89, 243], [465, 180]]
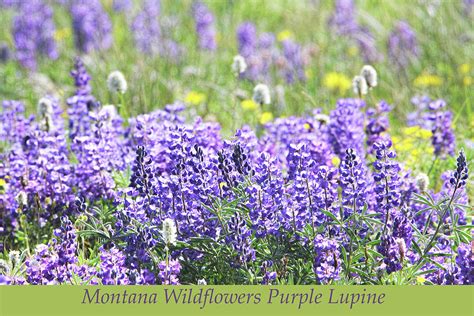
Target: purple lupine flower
[[146, 27], [81, 78], [112, 267], [294, 69], [402, 45], [55, 263], [14, 124], [239, 238], [343, 19], [377, 124], [92, 26], [33, 32], [205, 30], [169, 271], [419, 117], [81, 102], [402, 228], [259, 52], [468, 7], [387, 178], [10, 3], [149, 36], [64, 242], [393, 249], [327, 264], [266, 196], [98, 154], [41, 268], [247, 39], [464, 263], [344, 22], [346, 127], [122, 5], [443, 138], [268, 276], [353, 182], [367, 45], [459, 177]]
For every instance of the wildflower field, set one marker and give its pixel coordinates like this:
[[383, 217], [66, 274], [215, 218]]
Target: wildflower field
[[236, 142]]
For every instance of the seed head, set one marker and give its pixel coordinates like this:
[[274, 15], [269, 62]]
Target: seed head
[[359, 85], [169, 232], [239, 65], [370, 75], [116, 82], [261, 94]]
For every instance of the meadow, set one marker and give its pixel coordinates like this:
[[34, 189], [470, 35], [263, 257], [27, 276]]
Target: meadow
[[236, 142]]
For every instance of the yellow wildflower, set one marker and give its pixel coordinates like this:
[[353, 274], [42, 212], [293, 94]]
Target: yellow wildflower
[[62, 34], [426, 80], [266, 117], [417, 132], [337, 82], [284, 35], [353, 51], [2, 185], [249, 105], [464, 69], [307, 126], [195, 98], [336, 161], [420, 279], [467, 81]]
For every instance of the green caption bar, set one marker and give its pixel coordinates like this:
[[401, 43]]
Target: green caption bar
[[235, 300]]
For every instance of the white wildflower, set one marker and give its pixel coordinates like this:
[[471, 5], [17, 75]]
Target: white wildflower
[[169, 232], [261, 94], [322, 118], [116, 82], [202, 282], [370, 75], [239, 65], [45, 107], [359, 85], [422, 182], [22, 198]]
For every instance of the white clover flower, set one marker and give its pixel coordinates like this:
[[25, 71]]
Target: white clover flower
[[359, 85], [323, 118], [45, 107], [370, 75], [239, 65], [116, 82], [169, 232], [422, 182], [261, 94]]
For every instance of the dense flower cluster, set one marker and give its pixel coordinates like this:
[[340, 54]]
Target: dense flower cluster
[[158, 199], [327, 263]]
